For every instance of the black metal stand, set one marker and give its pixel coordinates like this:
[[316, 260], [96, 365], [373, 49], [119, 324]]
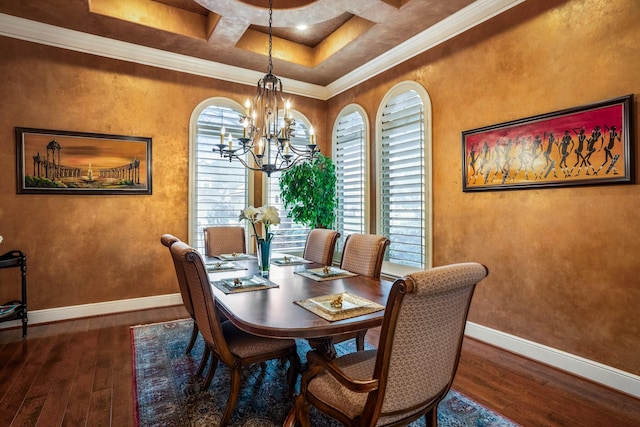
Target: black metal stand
[[15, 259]]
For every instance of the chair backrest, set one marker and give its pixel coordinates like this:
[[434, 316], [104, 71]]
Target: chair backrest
[[168, 240], [321, 243], [225, 239], [421, 338], [204, 304], [363, 254]]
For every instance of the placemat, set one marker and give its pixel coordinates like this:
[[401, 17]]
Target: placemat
[[220, 284], [232, 257], [317, 278], [213, 267], [292, 260], [364, 307]]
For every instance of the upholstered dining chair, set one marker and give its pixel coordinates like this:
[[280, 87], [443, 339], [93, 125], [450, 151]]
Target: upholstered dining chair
[[320, 245], [362, 254], [168, 240], [228, 344], [415, 362], [224, 239]]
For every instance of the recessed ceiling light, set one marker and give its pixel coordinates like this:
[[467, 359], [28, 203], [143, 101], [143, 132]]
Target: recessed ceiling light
[[302, 27]]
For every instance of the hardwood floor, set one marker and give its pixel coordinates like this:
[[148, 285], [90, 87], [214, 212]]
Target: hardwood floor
[[79, 372]]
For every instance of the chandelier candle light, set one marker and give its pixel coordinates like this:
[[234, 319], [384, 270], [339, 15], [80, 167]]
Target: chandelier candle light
[[265, 137]]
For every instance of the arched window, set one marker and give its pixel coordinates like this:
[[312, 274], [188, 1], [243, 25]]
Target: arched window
[[290, 237], [404, 175], [350, 136], [218, 188]]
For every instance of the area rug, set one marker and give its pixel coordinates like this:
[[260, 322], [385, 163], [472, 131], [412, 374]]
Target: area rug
[[167, 391]]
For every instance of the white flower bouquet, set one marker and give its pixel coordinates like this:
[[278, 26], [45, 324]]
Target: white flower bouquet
[[265, 215]]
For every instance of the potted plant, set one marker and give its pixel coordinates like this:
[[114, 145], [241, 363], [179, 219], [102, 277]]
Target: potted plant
[[308, 191]]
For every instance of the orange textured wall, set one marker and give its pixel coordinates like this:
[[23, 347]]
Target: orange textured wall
[[85, 249], [563, 262]]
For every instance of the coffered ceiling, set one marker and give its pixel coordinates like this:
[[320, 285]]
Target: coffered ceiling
[[343, 38]]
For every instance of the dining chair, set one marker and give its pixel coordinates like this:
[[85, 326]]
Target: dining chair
[[362, 254], [320, 245], [413, 367], [168, 240], [233, 347], [224, 239]]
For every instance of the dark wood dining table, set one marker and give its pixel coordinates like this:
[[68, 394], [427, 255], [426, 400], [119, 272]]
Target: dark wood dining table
[[273, 312]]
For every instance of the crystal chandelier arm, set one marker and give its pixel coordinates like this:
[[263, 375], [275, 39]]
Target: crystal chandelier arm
[[264, 139]]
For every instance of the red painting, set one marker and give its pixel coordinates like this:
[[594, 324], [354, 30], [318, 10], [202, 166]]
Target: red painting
[[578, 146]]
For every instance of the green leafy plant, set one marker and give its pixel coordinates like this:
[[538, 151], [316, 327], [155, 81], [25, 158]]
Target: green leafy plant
[[308, 191]]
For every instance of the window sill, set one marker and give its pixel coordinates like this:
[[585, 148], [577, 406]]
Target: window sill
[[395, 271]]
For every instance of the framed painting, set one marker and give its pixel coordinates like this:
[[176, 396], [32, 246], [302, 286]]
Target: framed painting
[[64, 162], [588, 145]]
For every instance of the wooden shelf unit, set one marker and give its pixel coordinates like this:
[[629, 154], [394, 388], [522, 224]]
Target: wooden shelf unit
[[17, 259]]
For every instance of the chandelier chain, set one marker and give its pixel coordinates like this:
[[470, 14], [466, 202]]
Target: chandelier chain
[[270, 35]]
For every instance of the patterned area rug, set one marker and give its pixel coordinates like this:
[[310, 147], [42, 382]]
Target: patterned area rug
[[168, 392]]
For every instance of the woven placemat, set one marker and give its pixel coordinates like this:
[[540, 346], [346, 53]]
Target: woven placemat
[[317, 278], [290, 261], [213, 267], [236, 257], [236, 289], [366, 308]]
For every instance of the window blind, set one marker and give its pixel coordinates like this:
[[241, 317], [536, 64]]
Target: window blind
[[289, 237], [221, 186], [350, 173], [402, 179]]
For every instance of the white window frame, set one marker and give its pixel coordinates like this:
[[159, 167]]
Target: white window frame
[[193, 231], [349, 109], [389, 268]]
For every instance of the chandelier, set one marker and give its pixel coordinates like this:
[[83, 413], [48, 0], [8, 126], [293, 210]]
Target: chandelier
[[266, 138]]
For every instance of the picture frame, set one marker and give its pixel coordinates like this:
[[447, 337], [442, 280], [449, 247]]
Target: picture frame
[[587, 145], [67, 162]]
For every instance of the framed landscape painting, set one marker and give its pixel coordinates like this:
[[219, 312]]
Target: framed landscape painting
[[588, 145], [64, 162]]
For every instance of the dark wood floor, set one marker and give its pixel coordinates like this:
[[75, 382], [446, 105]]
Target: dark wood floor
[[79, 373]]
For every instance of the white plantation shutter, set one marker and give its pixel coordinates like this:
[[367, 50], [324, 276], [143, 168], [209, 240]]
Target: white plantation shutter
[[349, 159], [220, 186], [289, 237], [402, 179]]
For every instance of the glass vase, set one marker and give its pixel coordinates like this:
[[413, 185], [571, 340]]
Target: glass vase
[[264, 257]]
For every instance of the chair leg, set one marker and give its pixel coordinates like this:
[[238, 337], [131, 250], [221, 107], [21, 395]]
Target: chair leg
[[290, 421], [294, 370], [301, 408], [211, 373], [205, 359], [431, 417], [194, 335], [234, 390], [360, 340]]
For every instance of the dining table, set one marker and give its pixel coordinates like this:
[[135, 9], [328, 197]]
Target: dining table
[[278, 311]]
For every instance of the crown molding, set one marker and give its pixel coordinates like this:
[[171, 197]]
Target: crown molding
[[50, 35], [37, 32], [463, 20]]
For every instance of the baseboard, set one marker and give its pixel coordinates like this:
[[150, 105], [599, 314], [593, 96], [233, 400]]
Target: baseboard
[[95, 309], [597, 372]]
